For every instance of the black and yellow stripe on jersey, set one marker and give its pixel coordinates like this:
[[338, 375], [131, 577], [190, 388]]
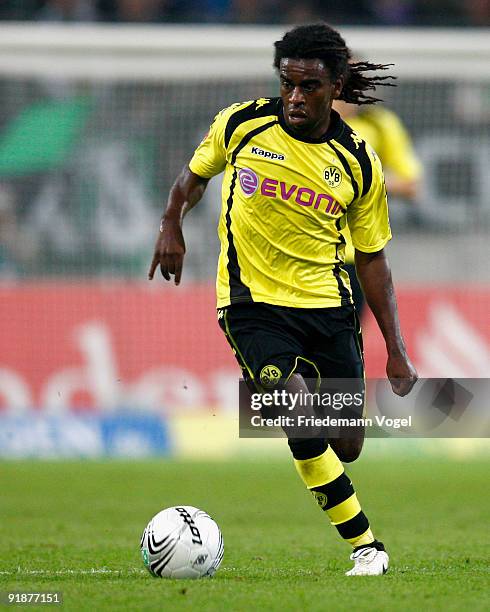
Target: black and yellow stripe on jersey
[[285, 201]]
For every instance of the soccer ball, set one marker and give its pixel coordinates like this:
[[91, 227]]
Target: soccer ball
[[182, 542]]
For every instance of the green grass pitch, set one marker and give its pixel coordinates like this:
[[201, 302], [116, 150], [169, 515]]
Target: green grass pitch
[[75, 527]]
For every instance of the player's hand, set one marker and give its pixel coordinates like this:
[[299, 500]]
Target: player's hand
[[401, 373], [169, 251]]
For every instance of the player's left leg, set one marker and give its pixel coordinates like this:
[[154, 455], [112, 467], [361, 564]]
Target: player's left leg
[[324, 475], [347, 449], [336, 349]]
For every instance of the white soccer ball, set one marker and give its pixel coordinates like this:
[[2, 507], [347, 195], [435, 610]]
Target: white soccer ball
[[182, 542]]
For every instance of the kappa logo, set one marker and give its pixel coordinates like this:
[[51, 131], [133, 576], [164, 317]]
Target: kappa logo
[[357, 139], [270, 375], [321, 499], [261, 102], [267, 154]]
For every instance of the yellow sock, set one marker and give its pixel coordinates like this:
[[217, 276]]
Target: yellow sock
[[325, 478]]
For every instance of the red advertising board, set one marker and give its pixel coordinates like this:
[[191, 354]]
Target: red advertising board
[[111, 344], [447, 332], [120, 344]]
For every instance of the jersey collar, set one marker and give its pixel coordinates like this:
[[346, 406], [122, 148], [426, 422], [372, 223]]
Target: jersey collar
[[334, 129]]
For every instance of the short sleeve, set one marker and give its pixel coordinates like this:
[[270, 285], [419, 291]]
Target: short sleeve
[[368, 216], [209, 158]]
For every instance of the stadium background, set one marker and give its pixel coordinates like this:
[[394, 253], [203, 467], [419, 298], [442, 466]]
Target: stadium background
[[96, 120]]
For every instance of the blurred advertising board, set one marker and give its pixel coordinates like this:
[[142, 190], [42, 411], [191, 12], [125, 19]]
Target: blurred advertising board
[[101, 368], [446, 328]]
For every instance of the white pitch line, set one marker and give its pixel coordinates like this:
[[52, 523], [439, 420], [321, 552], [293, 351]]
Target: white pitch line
[[20, 571], [68, 572]]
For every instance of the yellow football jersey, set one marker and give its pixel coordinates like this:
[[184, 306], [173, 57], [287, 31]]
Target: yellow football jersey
[[285, 201]]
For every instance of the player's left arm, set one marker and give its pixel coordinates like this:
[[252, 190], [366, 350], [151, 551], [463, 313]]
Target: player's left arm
[[370, 230], [374, 274]]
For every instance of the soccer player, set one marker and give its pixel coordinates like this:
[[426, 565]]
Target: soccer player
[[294, 172]]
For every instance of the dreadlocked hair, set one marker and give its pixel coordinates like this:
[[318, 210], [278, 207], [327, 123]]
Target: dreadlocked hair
[[321, 41]]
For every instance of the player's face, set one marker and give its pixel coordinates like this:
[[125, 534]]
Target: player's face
[[307, 93]]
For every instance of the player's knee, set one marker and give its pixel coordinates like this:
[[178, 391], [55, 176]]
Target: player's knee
[[348, 456], [347, 450], [307, 448]]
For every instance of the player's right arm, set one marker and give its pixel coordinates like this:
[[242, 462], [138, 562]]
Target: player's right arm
[[169, 251], [208, 160]]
